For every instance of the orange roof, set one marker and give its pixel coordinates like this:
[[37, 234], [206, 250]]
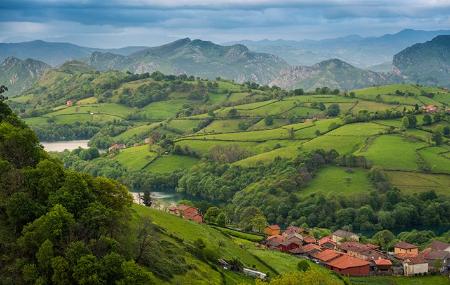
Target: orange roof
[[346, 261], [274, 227], [326, 240], [310, 247], [183, 207], [326, 255], [278, 238], [404, 256], [383, 261], [405, 245]]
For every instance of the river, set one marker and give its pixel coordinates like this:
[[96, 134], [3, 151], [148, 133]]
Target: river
[[62, 145]]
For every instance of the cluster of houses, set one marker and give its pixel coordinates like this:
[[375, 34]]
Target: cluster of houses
[[186, 212], [343, 253]]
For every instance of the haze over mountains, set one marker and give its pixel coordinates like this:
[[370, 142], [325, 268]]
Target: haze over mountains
[[425, 63], [362, 52]]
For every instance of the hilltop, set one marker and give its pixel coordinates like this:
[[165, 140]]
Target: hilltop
[[195, 57], [426, 63], [333, 73]]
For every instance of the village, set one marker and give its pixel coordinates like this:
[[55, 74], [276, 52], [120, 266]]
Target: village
[[343, 252]]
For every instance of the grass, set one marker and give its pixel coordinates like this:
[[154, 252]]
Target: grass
[[163, 109], [436, 159], [184, 126], [342, 144], [338, 181], [171, 162], [190, 231], [240, 235], [393, 152], [103, 108], [223, 126], [135, 158], [413, 182], [399, 280], [137, 131]]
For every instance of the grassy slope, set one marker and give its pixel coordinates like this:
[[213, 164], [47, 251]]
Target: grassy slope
[[135, 158], [169, 163], [339, 181]]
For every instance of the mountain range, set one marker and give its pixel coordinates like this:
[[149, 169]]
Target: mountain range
[[196, 57], [333, 73], [54, 53], [362, 52], [425, 63]]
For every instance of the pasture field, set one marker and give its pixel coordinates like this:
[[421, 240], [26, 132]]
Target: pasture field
[[73, 118], [414, 182], [339, 181], [256, 136], [86, 101], [135, 158], [290, 151], [171, 162], [393, 152], [163, 109], [261, 125], [112, 109], [358, 129], [342, 144], [321, 98], [372, 106], [184, 126], [223, 126], [435, 159], [237, 96], [137, 131]]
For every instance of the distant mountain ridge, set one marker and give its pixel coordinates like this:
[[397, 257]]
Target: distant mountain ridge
[[426, 63], [196, 57], [333, 73], [359, 51], [19, 75], [54, 53]]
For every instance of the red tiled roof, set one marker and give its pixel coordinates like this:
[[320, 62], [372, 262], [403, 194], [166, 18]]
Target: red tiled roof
[[310, 247], [308, 239], [183, 207], [326, 255], [405, 245], [346, 261], [326, 240], [383, 261], [439, 245], [416, 260]]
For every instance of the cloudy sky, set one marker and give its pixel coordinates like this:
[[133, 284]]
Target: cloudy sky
[[116, 23]]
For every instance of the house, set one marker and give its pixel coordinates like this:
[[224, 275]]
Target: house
[[274, 242], [294, 238], [405, 249], [310, 249], [293, 230], [383, 265], [348, 265], [341, 235], [430, 108], [272, 230], [367, 252], [116, 147], [309, 239], [289, 246], [187, 212], [69, 103], [415, 266], [326, 255], [437, 254], [327, 242]]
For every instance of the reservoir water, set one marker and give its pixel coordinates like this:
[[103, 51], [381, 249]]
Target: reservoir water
[[59, 146]]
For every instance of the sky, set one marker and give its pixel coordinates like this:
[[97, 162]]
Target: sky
[[118, 23]]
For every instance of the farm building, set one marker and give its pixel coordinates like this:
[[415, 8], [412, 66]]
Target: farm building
[[310, 249], [437, 254], [341, 235], [383, 265], [430, 108], [293, 230], [187, 212], [116, 147], [254, 273], [348, 265], [272, 230], [415, 266], [69, 103], [362, 251], [327, 242], [326, 255], [405, 249]]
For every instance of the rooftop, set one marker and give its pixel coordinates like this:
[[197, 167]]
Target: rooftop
[[346, 261], [344, 234], [405, 245], [326, 255]]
